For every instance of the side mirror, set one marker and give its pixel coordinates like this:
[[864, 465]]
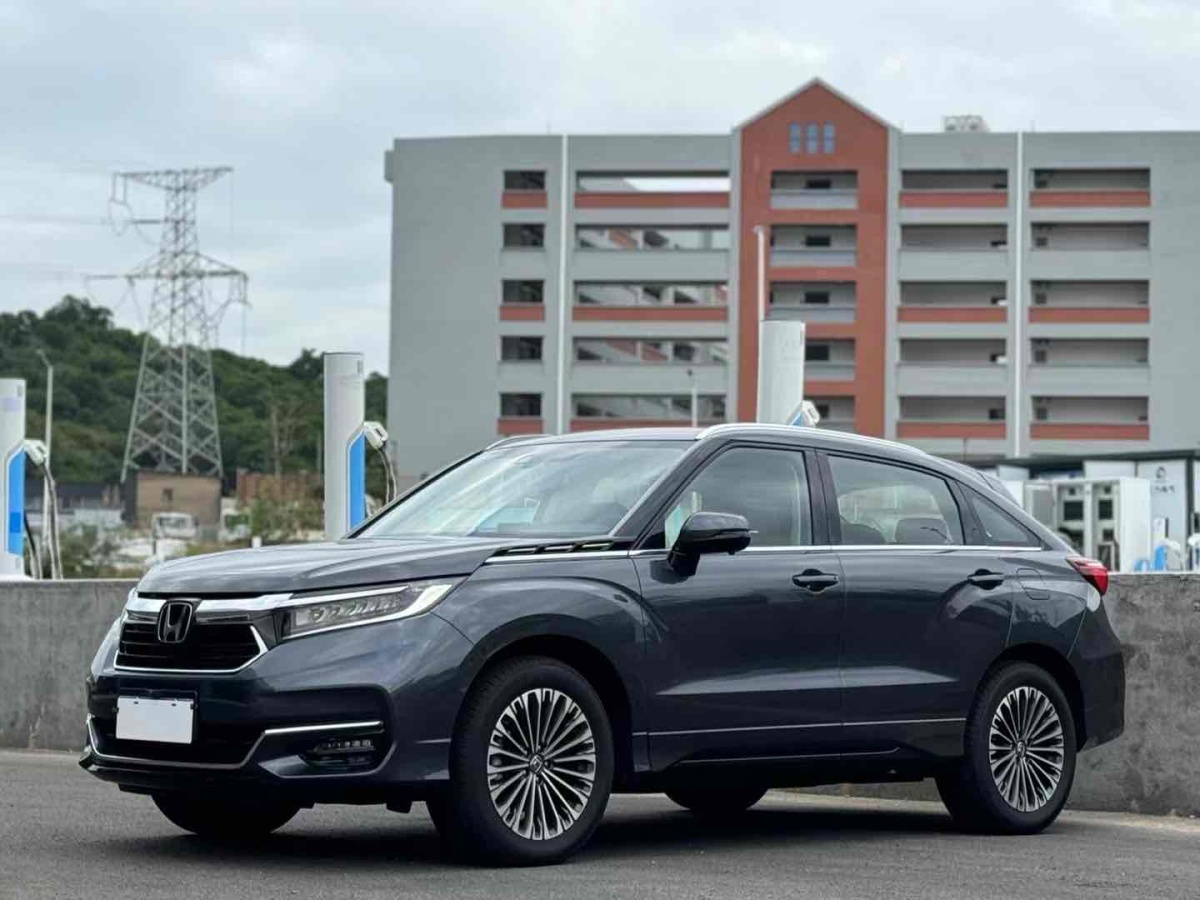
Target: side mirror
[[707, 532]]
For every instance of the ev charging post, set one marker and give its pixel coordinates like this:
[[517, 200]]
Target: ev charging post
[[345, 449], [12, 477]]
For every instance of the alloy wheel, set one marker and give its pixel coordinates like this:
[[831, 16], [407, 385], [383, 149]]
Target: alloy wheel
[[541, 764], [1026, 749]]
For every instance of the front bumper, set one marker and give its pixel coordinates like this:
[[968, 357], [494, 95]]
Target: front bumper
[[393, 683]]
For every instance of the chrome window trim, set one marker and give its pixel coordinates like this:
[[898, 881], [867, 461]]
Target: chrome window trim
[[270, 732], [138, 670], [876, 548]]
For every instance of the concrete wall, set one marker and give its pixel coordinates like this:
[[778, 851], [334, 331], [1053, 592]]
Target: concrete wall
[[48, 633]]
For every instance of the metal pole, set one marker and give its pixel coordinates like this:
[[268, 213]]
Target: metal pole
[[695, 399], [561, 418], [1017, 355], [761, 232]]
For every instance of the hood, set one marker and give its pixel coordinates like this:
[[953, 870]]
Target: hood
[[307, 567]]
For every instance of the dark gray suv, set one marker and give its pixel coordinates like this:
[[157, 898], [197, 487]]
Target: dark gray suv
[[706, 613]]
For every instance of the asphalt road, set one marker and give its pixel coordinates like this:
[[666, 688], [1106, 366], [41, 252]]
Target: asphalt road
[[66, 834]]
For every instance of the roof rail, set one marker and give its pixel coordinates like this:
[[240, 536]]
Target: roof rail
[[511, 439], [725, 427]]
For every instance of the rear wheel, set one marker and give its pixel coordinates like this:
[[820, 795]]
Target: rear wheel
[[716, 800], [531, 766], [222, 818], [1019, 759]]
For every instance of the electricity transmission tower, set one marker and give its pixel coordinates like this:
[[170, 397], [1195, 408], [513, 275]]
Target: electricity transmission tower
[[174, 423]]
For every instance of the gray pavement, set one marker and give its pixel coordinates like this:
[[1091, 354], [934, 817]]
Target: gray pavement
[[66, 834]]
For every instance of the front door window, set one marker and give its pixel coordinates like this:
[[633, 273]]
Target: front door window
[[768, 487]]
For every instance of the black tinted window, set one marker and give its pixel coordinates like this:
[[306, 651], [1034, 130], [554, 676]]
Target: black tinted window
[[999, 527], [768, 487], [884, 504]]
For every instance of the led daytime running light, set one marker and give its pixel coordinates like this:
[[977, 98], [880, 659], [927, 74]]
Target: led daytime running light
[[362, 609]]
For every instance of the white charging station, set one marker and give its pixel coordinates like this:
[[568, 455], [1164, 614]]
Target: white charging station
[[345, 451], [780, 370], [12, 477]]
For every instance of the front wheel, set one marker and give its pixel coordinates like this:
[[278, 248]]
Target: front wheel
[[531, 765], [716, 800], [223, 819], [1019, 754]]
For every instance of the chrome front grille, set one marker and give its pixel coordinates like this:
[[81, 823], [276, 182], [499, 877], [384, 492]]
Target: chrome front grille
[[208, 647]]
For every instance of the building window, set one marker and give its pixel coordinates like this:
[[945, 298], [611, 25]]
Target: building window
[[614, 237], [524, 180], [523, 292], [625, 294], [818, 240], [816, 353], [661, 182], [524, 236], [817, 298], [794, 138], [520, 349], [828, 138], [811, 136], [651, 407], [521, 405], [633, 351]]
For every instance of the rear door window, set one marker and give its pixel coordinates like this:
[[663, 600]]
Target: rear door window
[[878, 503]]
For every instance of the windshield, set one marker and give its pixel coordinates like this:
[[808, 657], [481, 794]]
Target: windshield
[[543, 490]]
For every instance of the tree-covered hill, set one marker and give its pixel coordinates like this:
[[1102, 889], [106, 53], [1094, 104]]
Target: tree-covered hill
[[269, 416]]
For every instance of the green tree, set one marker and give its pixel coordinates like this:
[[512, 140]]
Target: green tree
[[95, 378]]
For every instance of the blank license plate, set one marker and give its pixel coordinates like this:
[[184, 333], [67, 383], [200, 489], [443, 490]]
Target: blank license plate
[[164, 721]]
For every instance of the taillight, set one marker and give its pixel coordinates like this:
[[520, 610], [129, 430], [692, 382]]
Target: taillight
[[1093, 572]]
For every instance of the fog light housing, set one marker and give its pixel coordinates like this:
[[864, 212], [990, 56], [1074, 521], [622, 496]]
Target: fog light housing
[[343, 753]]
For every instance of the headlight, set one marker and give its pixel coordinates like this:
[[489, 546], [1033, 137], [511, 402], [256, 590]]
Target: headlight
[[316, 614]]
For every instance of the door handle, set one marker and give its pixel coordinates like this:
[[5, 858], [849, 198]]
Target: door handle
[[986, 580], [814, 580]]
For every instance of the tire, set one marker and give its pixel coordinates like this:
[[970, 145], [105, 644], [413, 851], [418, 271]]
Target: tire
[[1020, 786], [543, 809], [716, 800], [224, 819]]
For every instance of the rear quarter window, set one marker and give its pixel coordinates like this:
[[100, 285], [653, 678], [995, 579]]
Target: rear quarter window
[[999, 528]]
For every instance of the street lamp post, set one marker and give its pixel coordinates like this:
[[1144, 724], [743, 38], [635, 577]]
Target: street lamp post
[[695, 398], [46, 512]]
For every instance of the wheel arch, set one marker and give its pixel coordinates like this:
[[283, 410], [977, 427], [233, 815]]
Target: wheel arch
[[594, 665], [1060, 668]]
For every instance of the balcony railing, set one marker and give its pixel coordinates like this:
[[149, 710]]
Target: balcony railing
[[511, 426], [1090, 431], [802, 198], [915, 429], [812, 257], [954, 199]]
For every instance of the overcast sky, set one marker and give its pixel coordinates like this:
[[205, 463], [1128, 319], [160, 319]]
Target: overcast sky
[[302, 99]]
